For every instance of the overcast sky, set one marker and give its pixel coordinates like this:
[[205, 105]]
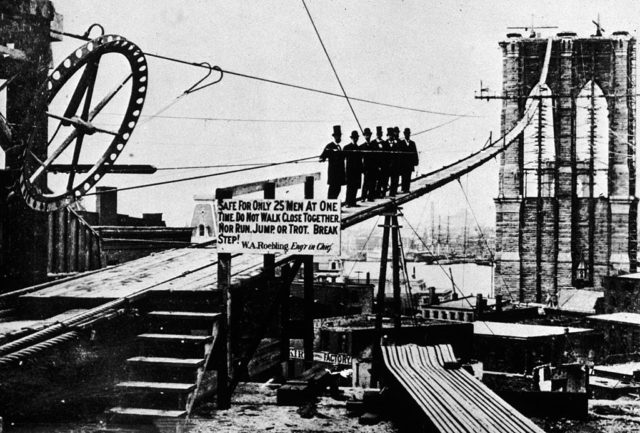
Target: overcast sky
[[415, 53]]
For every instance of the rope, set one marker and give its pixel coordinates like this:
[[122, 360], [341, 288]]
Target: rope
[[335, 72], [364, 245], [482, 235], [37, 348], [204, 176], [282, 83]]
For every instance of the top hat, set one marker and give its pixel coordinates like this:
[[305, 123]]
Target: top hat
[[336, 130], [367, 132], [396, 129], [407, 131], [379, 130], [354, 134], [389, 131]]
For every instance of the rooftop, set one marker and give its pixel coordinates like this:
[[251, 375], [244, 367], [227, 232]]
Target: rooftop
[[523, 331], [466, 303], [627, 318], [618, 370], [579, 300]]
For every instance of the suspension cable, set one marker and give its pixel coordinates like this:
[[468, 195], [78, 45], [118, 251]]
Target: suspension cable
[[282, 83], [482, 236], [453, 283], [204, 176], [335, 72]]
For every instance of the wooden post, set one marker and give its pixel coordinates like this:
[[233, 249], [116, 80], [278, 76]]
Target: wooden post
[[73, 242], [224, 331], [61, 241], [269, 192], [395, 257], [309, 295], [380, 298], [82, 242], [51, 243]]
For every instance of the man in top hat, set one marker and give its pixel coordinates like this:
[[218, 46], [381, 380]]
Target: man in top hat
[[382, 146], [394, 161], [335, 170], [410, 160], [369, 166], [353, 172]]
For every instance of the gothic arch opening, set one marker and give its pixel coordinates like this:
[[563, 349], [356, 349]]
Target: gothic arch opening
[[592, 142], [539, 149]]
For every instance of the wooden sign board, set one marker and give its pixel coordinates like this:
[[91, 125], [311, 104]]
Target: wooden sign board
[[327, 357], [269, 226]]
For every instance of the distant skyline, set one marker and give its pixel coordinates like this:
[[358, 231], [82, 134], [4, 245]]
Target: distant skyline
[[429, 55]]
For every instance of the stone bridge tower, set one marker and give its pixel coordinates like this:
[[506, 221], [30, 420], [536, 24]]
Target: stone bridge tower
[[566, 212]]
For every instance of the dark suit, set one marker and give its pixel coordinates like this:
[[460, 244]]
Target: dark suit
[[353, 172], [370, 168], [384, 167], [335, 170], [395, 166], [410, 160]]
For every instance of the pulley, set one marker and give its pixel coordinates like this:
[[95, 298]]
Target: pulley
[[79, 119]]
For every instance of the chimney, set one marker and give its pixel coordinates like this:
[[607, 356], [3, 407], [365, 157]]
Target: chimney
[[479, 305], [107, 205], [454, 296], [498, 303], [433, 299]]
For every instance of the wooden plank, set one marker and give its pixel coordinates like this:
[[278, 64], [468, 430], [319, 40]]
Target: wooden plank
[[13, 53], [73, 242], [249, 188], [176, 337], [184, 315], [61, 264], [150, 413], [170, 362], [82, 247], [130, 276], [159, 386], [51, 243]]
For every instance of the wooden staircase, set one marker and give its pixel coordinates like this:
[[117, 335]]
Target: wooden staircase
[[167, 377]]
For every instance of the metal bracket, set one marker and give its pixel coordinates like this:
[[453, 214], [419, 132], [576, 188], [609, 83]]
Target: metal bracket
[[197, 86]]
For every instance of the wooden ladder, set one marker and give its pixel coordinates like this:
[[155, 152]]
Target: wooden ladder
[[168, 375]]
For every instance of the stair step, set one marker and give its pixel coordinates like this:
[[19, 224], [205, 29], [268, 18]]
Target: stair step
[[184, 315], [169, 362], [159, 386], [176, 337], [143, 412]]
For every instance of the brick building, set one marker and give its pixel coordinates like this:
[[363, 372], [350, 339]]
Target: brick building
[[566, 208], [25, 41]]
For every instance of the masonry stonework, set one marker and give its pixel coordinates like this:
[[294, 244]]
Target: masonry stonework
[[548, 243]]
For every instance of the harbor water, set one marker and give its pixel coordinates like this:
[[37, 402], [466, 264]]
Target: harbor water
[[469, 278]]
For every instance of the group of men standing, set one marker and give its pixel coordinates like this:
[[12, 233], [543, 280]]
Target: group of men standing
[[385, 164]]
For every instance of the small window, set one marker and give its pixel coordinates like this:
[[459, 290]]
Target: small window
[[201, 230], [427, 314], [444, 315], [461, 316], [435, 314], [209, 231], [469, 317], [333, 266]]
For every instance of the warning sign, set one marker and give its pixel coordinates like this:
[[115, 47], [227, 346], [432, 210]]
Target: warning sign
[[264, 226]]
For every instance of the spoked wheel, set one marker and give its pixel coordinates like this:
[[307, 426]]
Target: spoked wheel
[[81, 123]]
